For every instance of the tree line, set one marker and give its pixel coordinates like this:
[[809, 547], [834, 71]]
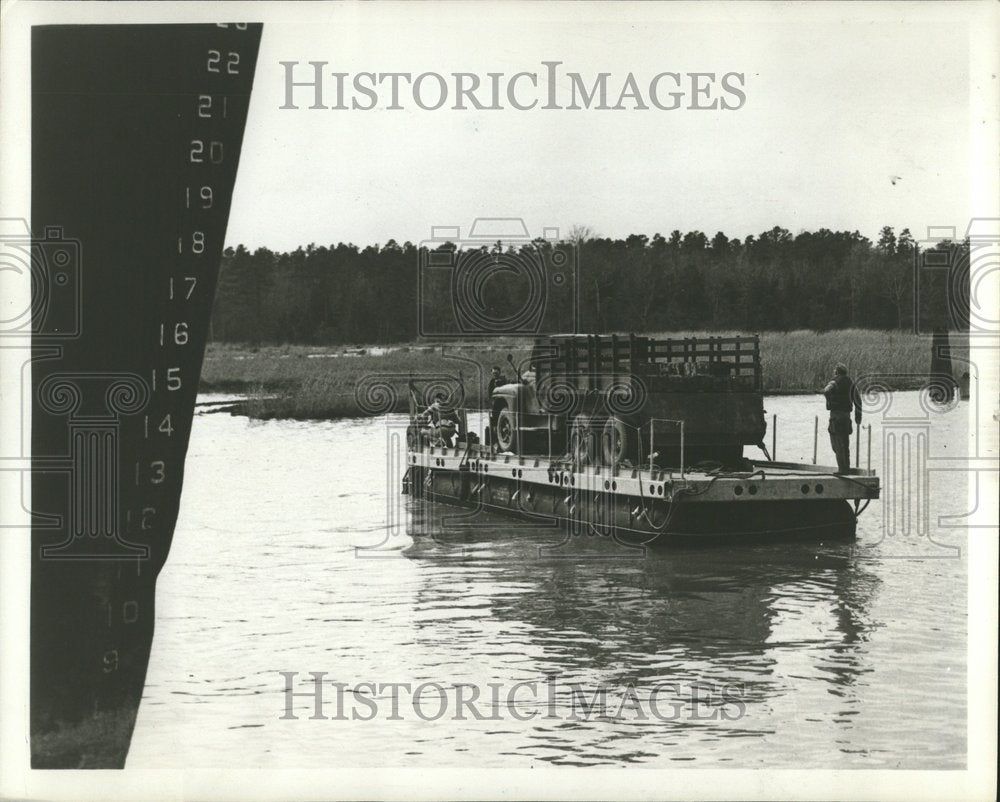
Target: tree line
[[819, 280]]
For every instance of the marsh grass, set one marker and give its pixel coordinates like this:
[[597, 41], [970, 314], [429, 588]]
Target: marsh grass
[[312, 382]]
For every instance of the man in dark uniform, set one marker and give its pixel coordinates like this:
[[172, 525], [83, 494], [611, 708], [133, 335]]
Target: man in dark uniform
[[440, 422], [841, 397], [497, 379]]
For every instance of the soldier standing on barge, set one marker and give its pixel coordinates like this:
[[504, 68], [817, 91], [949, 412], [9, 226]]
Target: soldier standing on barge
[[841, 395]]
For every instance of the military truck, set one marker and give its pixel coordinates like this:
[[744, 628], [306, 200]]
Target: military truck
[[609, 399]]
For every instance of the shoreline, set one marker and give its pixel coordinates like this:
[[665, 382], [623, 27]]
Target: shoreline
[[298, 382], [240, 407]]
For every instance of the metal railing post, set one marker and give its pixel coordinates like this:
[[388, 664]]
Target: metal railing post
[[549, 424], [682, 449], [815, 438], [869, 447], [857, 447], [774, 437], [651, 420]]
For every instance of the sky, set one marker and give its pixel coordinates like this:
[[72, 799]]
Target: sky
[[854, 118]]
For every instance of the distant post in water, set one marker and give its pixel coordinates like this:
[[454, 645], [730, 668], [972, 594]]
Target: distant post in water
[[941, 381]]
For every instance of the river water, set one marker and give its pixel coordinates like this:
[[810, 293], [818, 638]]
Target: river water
[[294, 552]]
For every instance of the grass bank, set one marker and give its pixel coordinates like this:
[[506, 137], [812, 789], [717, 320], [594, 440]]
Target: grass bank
[[307, 382]]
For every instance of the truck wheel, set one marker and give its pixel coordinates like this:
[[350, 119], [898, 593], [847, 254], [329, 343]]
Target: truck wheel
[[581, 441], [617, 441], [506, 434]]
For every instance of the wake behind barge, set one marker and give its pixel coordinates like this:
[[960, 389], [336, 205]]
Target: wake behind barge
[[629, 474]]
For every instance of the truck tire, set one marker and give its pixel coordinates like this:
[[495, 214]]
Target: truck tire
[[507, 435], [617, 441], [582, 445]]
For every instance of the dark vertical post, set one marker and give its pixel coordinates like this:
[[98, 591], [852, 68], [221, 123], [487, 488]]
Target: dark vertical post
[[941, 381], [758, 371]]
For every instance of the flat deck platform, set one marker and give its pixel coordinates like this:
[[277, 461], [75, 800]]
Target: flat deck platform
[[771, 497], [766, 481]]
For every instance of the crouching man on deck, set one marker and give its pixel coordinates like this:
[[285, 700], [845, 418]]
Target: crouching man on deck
[[440, 423], [841, 395]]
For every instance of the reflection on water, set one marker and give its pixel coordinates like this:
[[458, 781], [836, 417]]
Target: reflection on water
[[786, 655]]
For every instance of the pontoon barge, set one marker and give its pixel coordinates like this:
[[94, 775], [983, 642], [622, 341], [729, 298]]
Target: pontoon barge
[[666, 466]]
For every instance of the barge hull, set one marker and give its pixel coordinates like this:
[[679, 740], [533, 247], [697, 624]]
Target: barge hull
[[646, 506]]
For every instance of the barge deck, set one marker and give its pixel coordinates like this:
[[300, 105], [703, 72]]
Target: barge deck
[[646, 504]]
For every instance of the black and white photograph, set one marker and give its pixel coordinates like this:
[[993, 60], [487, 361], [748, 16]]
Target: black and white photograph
[[475, 400]]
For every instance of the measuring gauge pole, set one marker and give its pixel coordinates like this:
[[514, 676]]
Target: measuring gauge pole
[[136, 137]]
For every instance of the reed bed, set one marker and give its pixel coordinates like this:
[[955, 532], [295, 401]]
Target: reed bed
[[307, 382]]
